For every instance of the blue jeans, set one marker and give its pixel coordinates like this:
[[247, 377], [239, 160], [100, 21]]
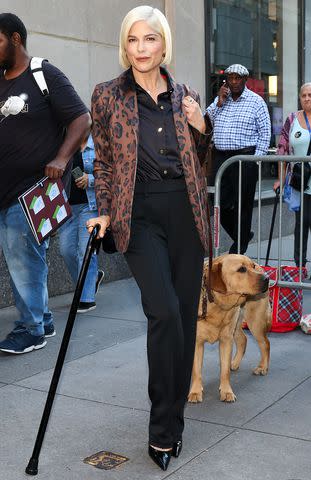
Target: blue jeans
[[73, 238], [26, 261]]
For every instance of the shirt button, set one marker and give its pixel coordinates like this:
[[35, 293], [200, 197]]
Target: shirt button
[[161, 151], [165, 172], [161, 106], [160, 129]]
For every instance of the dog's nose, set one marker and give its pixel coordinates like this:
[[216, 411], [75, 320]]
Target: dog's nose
[[264, 283]]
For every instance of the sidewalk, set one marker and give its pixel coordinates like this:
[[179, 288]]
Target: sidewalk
[[102, 403]]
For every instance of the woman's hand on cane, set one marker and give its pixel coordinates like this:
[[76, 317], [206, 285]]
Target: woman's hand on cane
[[103, 221], [281, 172], [276, 185]]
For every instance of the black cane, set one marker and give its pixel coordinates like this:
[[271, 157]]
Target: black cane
[[93, 244], [276, 200]]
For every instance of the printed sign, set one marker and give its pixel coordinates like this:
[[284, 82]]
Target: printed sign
[[45, 208]]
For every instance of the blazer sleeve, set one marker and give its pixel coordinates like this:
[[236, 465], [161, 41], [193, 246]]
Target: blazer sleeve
[[283, 145], [103, 161]]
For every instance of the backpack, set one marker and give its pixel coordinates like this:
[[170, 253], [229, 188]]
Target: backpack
[[38, 75]]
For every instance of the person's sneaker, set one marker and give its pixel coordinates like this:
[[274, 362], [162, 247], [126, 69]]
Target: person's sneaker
[[49, 331], [100, 278], [86, 307], [22, 342]]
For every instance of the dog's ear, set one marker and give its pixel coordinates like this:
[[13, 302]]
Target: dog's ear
[[216, 279]]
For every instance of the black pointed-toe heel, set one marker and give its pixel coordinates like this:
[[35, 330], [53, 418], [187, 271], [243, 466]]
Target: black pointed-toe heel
[[177, 448], [160, 457]]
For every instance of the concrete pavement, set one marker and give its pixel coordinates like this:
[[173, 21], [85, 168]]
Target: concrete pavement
[[102, 403]]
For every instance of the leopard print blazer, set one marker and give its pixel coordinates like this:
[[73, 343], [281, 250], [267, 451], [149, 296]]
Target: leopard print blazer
[[115, 135]]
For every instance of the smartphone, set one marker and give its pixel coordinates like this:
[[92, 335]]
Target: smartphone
[[225, 84], [77, 173]]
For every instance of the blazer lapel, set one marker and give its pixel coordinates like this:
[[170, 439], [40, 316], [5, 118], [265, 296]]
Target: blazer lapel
[[128, 100]]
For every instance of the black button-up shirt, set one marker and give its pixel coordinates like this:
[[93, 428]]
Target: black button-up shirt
[[158, 149]]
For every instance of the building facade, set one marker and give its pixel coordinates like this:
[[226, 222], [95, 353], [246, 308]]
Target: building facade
[[272, 38]]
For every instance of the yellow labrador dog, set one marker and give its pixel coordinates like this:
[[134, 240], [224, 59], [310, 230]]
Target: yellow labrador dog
[[240, 291]]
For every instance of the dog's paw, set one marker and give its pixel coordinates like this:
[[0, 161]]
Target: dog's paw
[[195, 397], [260, 371], [235, 365], [227, 396]]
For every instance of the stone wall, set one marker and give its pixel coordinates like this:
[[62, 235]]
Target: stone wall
[[59, 280], [81, 38]]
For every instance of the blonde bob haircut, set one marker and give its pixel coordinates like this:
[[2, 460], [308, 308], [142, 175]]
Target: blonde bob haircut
[[156, 20]]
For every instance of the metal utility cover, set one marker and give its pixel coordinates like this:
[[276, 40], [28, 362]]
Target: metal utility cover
[[105, 460]]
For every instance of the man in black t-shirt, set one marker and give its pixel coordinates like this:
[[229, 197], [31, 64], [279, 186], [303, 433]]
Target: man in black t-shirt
[[33, 144]]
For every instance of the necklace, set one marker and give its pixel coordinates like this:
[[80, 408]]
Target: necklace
[[153, 90], [156, 89]]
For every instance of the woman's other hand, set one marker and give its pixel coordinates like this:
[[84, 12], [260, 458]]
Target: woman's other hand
[[193, 113], [82, 182], [103, 221]]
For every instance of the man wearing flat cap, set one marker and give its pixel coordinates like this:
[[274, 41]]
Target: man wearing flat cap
[[242, 126]]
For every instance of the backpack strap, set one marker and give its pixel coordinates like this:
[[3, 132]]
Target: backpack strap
[[38, 75]]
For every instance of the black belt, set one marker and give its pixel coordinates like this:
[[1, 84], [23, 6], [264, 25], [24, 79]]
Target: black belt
[[240, 151]]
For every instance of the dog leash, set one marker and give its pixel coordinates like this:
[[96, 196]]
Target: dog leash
[[204, 297], [210, 258]]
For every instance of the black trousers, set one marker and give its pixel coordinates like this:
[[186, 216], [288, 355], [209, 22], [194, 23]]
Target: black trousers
[[305, 230], [166, 257], [229, 196]]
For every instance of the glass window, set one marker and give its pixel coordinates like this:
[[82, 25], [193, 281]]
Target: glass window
[[262, 35]]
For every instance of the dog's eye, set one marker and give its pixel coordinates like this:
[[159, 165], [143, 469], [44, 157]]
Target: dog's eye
[[242, 270]]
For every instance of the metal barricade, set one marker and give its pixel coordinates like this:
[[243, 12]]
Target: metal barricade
[[259, 160]]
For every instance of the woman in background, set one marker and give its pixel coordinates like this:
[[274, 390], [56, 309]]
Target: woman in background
[[295, 140]]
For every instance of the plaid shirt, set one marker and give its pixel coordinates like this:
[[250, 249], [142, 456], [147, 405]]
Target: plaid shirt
[[241, 123]]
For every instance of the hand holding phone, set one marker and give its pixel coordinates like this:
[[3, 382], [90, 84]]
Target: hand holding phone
[[77, 173], [223, 93]]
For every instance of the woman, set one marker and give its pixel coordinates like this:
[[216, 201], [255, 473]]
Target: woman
[[294, 140], [149, 136], [73, 237]]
